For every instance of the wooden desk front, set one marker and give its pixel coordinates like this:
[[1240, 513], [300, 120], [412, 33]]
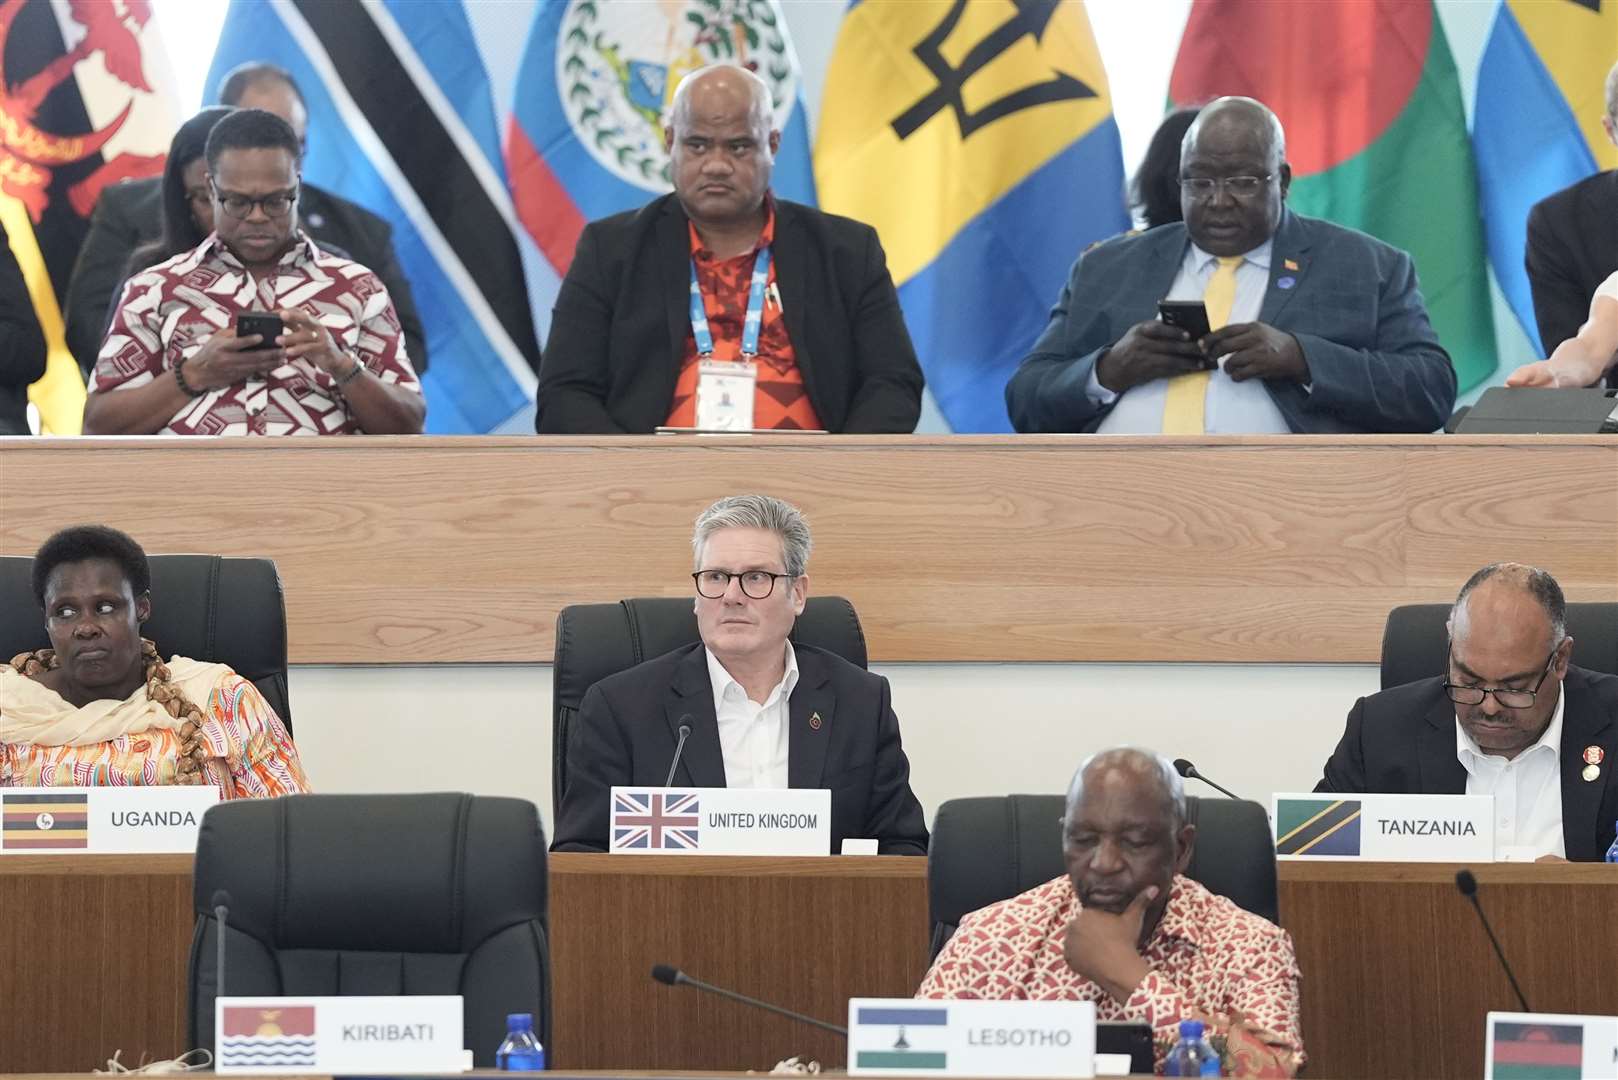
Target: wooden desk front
[[1398, 976]]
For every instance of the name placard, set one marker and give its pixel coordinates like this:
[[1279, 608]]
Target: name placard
[[1550, 1045], [102, 820], [909, 1036], [339, 1035], [1384, 828], [720, 821]]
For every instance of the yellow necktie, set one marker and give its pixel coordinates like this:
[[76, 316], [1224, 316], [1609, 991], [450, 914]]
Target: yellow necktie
[[1187, 395]]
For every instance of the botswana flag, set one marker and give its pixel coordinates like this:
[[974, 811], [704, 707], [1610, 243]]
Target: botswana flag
[[1317, 827], [402, 122], [1536, 1051]]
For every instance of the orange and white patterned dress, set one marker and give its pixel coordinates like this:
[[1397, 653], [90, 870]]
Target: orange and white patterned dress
[[1208, 957], [46, 742]]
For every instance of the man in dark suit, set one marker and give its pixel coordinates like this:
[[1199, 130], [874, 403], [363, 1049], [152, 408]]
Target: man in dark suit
[[130, 214], [1573, 244], [1314, 328], [828, 343], [22, 344], [1513, 719], [762, 712]]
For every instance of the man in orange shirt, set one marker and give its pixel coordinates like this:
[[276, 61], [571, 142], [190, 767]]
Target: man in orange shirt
[[722, 307]]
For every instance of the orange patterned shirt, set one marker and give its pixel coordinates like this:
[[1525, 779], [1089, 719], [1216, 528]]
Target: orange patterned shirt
[[1207, 957], [780, 399]]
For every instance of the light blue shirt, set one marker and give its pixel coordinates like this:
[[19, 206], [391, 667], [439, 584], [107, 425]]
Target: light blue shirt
[[1231, 408]]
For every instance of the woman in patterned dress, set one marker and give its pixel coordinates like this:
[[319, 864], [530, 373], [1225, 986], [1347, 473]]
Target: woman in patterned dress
[[101, 706]]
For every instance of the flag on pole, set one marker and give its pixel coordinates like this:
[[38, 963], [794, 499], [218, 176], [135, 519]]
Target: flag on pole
[[1376, 134], [85, 101]]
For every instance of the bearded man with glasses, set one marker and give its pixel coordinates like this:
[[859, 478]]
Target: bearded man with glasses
[[173, 361], [1513, 718], [761, 711]]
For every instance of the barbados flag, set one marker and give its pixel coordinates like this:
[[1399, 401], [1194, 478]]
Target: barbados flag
[[978, 139], [1536, 126]]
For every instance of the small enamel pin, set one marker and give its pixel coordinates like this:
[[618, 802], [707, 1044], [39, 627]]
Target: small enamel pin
[[1591, 772], [1593, 755], [1291, 264], [1286, 282], [814, 721]]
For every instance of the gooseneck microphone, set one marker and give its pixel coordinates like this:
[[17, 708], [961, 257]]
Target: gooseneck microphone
[[1468, 885], [1189, 771], [679, 748], [221, 913], [673, 976]]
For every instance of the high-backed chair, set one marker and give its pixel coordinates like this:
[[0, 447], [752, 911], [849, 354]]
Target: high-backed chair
[[597, 640], [207, 607], [1415, 644], [376, 894], [988, 849]]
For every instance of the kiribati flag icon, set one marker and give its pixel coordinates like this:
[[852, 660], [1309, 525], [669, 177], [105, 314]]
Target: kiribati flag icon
[[1317, 827], [655, 820], [250, 1036]]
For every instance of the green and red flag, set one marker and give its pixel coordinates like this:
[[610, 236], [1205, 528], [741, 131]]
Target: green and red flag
[[1534, 1051], [1376, 135]]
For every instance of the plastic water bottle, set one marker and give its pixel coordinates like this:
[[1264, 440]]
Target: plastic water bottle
[[1612, 852], [1192, 1055], [521, 1051]]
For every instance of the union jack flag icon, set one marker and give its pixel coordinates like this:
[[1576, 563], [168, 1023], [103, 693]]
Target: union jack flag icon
[[655, 820]]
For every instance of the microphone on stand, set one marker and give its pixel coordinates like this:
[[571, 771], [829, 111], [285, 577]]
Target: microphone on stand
[[1189, 771], [221, 913], [679, 748], [1468, 885], [673, 976]]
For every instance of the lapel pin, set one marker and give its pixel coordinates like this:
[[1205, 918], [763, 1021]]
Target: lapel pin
[[1593, 755], [814, 721], [1286, 282], [1591, 772], [1291, 264]]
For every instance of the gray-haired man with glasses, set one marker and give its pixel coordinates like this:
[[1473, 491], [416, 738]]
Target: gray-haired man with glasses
[[1512, 718], [762, 712]]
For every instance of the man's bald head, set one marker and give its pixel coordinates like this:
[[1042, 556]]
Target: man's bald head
[[1506, 603], [721, 147], [1142, 768], [1245, 115], [717, 89], [1233, 176]]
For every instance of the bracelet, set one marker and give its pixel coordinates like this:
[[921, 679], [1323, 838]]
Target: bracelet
[[179, 377], [353, 373]]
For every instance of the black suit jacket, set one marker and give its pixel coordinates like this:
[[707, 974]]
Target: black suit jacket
[[1402, 741], [627, 727], [623, 314], [22, 344], [1572, 247], [130, 214]]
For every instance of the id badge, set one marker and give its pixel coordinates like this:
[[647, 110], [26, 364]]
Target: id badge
[[725, 395]]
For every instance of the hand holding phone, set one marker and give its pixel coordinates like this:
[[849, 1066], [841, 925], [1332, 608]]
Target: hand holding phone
[[266, 324], [1188, 315]]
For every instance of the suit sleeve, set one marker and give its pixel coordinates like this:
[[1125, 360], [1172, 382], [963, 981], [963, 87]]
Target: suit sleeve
[[888, 379], [1404, 382], [1049, 393], [1561, 302], [573, 377], [894, 816], [1345, 769], [97, 275], [22, 343], [385, 265], [597, 759]]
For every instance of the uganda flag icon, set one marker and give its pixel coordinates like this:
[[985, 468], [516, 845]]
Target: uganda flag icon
[[1317, 827], [38, 822]]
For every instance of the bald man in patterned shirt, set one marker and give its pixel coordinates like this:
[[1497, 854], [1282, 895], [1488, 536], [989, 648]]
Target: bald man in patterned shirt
[[1127, 930]]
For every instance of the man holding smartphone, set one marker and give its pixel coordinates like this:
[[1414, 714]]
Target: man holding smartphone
[[257, 331], [1311, 327]]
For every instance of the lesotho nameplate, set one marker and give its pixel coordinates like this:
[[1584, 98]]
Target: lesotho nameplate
[[1384, 828], [720, 821], [909, 1037], [103, 820], [339, 1035]]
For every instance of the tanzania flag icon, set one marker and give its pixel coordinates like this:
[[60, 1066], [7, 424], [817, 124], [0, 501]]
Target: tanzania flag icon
[[928, 1027], [1537, 1051], [35, 822], [1317, 827]]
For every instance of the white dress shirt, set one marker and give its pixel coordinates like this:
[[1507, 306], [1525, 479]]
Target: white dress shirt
[[1527, 790], [1231, 408], [752, 737]]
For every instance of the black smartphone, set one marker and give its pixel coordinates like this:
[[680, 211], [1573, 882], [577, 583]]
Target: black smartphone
[[267, 326], [1188, 315]]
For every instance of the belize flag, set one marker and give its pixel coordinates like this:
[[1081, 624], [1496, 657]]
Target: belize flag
[[586, 133], [979, 141]]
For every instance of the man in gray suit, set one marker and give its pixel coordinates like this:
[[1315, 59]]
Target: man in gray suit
[[1314, 328]]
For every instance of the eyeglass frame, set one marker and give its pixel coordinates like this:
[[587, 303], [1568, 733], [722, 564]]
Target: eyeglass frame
[[1485, 691], [1222, 184], [696, 578], [290, 194]]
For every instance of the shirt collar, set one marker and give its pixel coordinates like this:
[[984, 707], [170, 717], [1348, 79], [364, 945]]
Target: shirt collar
[[1470, 754], [722, 681], [302, 251], [766, 235], [1259, 256]]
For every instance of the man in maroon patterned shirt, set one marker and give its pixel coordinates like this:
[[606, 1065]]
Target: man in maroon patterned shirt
[[1126, 929], [173, 363]]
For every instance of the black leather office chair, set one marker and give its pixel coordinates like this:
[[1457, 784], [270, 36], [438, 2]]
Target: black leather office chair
[[376, 894], [597, 640], [207, 607], [992, 848], [1415, 644]]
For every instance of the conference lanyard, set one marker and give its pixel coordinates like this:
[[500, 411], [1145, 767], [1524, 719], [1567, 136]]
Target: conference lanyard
[[755, 309]]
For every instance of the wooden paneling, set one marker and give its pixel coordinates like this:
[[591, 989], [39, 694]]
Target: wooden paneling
[[423, 550]]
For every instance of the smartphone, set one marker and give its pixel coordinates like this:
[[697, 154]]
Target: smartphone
[[1188, 315], [267, 325]]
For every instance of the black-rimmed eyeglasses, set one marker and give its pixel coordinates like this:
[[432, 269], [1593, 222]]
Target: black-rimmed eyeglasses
[[1506, 699], [1242, 187], [758, 584], [277, 204]]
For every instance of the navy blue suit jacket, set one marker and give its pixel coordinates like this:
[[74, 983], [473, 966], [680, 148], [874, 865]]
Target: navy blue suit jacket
[[1352, 302]]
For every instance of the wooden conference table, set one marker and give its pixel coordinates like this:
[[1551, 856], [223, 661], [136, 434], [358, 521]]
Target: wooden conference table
[[1398, 975]]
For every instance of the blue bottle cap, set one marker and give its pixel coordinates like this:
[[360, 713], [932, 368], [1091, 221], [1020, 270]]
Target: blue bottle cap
[[519, 1021], [1191, 1029]]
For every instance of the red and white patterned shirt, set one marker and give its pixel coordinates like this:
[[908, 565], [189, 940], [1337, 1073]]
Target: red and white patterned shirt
[[170, 310], [1208, 956]]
